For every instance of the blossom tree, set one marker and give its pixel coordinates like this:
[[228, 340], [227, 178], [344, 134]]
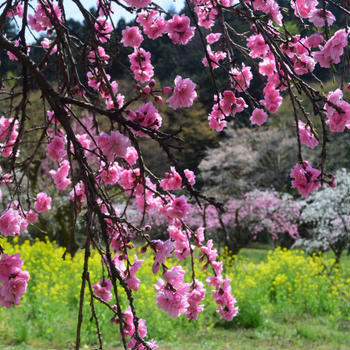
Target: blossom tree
[[243, 219], [103, 160], [327, 216]]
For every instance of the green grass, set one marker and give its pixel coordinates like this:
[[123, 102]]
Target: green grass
[[319, 333]]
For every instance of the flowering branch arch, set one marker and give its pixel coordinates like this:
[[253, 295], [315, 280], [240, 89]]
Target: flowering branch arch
[[98, 159]]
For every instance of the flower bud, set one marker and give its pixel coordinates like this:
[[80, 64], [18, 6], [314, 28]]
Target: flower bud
[[167, 90], [158, 100]]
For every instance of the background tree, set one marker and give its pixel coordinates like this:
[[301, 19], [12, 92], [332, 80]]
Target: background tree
[[326, 215]]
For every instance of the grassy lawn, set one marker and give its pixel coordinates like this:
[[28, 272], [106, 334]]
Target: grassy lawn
[[319, 333]]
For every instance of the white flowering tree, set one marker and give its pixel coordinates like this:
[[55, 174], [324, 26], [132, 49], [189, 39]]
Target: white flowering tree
[[327, 216]]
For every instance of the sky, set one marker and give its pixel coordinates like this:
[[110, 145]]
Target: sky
[[73, 12]]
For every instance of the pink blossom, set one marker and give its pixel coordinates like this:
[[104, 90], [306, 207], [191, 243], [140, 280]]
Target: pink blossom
[[32, 217], [131, 280], [60, 176], [179, 29], [103, 28], [208, 251], [139, 4], [195, 295], [163, 250], [13, 289], [306, 136], [333, 49], [7, 125], [217, 119], [206, 16], [257, 46], [141, 65], [191, 178], [172, 181], [146, 115], [153, 25], [259, 116], [56, 149], [199, 236], [40, 21], [272, 99], [131, 155], [215, 57], [314, 40], [172, 301], [132, 37], [9, 265], [316, 16], [226, 301], [178, 208], [213, 37], [111, 175], [103, 290], [78, 192], [174, 276], [305, 178], [304, 64], [128, 178], [113, 145], [46, 44], [337, 121], [102, 56], [240, 79], [302, 8], [10, 223], [16, 11], [269, 7], [42, 203], [183, 94]]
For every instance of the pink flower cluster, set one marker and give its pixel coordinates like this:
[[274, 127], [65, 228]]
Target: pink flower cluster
[[179, 29], [269, 7], [129, 331], [173, 180], [129, 273], [240, 79], [153, 24], [103, 28], [146, 115], [56, 149], [214, 57], [60, 175], [338, 120], [333, 49], [176, 297], [306, 178], [140, 64], [8, 133], [113, 145], [181, 241], [132, 37], [183, 93], [40, 21], [103, 290], [14, 280], [12, 223], [42, 203], [222, 293], [228, 104], [307, 137]]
